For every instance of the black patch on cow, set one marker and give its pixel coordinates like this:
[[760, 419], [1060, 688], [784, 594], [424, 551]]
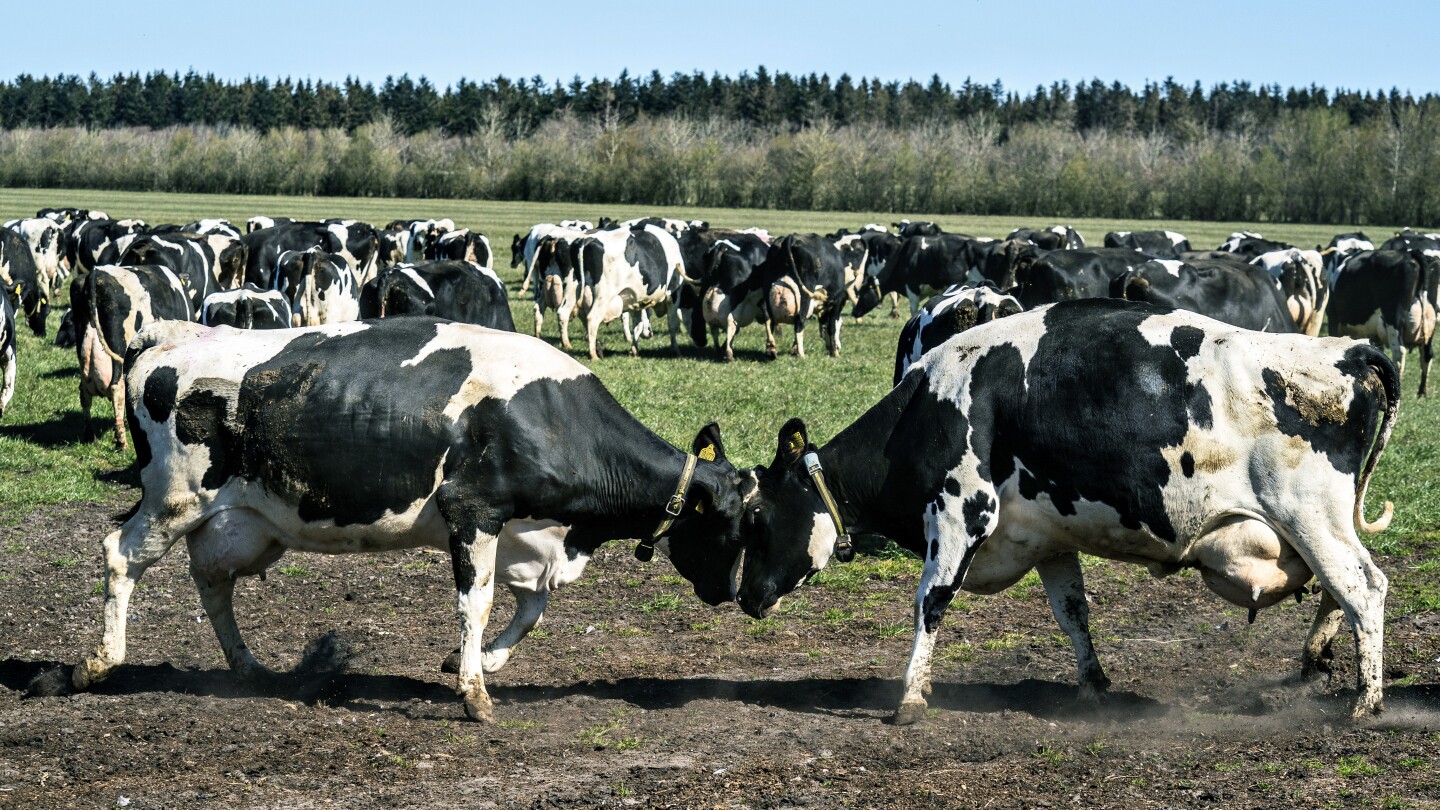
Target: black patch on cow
[[200, 420], [1187, 464], [161, 388], [1029, 487], [1316, 416], [975, 510], [952, 486], [1186, 341]]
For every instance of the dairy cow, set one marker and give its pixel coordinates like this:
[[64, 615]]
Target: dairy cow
[[189, 256], [922, 266], [1304, 284], [463, 245], [1159, 244], [455, 290], [325, 290], [1251, 245], [732, 294], [946, 315], [21, 281], [1390, 298], [7, 353], [808, 281], [1238, 294], [246, 308], [1055, 237], [1122, 430], [46, 239], [628, 270], [480, 432]]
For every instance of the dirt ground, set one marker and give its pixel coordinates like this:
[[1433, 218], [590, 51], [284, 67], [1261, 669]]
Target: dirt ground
[[632, 697]]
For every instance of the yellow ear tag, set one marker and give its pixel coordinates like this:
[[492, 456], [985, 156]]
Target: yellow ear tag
[[707, 453], [797, 442], [699, 507]]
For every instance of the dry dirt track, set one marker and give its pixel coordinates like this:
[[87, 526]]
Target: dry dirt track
[[633, 698]]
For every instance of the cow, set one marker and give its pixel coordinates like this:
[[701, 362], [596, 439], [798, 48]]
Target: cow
[[523, 248], [732, 294], [558, 285], [265, 246], [456, 290], [325, 292], [906, 229], [626, 270], [65, 334], [463, 245], [112, 304], [1158, 244], [423, 233], [65, 216], [212, 227], [1304, 283], [1246, 295], [46, 239], [1117, 429], [1251, 245], [946, 315], [922, 266], [7, 352], [1064, 275], [478, 429], [21, 280], [88, 238], [191, 257], [394, 246], [808, 281], [260, 223], [246, 308], [1409, 239], [1389, 297], [1055, 237], [1342, 246], [358, 243]]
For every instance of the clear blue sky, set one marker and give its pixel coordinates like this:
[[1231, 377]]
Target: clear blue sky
[[1360, 46]]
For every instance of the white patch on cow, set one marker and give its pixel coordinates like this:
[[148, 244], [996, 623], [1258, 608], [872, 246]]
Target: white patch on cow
[[1122, 234], [1171, 266], [409, 272], [507, 363], [1175, 238], [822, 540], [488, 273], [1353, 244]]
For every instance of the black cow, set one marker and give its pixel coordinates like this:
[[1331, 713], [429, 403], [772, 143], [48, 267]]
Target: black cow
[[923, 266], [1246, 296], [477, 430], [456, 290], [1122, 430], [808, 281], [1251, 245], [1342, 246], [1389, 297], [906, 229], [189, 256], [112, 304], [947, 315], [247, 308], [22, 280], [1056, 237], [267, 244], [1412, 240], [1159, 244], [463, 245], [732, 293], [1065, 275], [7, 352]]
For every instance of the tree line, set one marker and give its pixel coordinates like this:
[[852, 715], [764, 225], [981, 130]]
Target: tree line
[[1234, 153]]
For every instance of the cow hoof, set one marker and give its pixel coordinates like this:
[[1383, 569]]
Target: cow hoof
[[254, 674], [451, 664], [909, 714], [1367, 708], [480, 709], [87, 674]]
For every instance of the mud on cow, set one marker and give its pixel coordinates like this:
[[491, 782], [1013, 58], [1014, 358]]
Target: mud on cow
[[250, 444], [1389, 297], [1122, 430]]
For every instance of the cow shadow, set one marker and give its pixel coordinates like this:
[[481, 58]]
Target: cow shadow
[[67, 430], [61, 373]]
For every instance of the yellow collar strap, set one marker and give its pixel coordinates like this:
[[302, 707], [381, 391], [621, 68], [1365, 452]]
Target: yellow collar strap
[[646, 550], [843, 548]]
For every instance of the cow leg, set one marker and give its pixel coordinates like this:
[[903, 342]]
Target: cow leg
[[952, 540], [894, 305], [86, 400], [914, 302], [1346, 572], [473, 539], [539, 317], [672, 321], [832, 334], [1322, 631], [129, 550], [771, 349], [564, 313], [117, 399], [1426, 355], [592, 334], [731, 327], [1065, 586], [799, 349], [529, 610], [633, 338], [232, 544]]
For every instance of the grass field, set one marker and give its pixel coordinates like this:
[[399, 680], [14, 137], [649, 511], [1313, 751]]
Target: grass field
[[42, 461]]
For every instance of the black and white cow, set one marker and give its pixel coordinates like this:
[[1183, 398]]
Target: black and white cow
[[358, 243], [1055, 237], [46, 238], [1046, 277], [1251, 245], [1104, 427], [557, 284], [189, 256], [1409, 239], [212, 227], [1342, 246], [455, 290], [1159, 244], [21, 280], [1389, 297], [947, 315], [260, 223], [266, 245], [1241, 295], [111, 305], [88, 238], [732, 293], [923, 266], [808, 281], [463, 245], [65, 216], [248, 307], [906, 229], [423, 234], [325, 290], [7, 352], [625, 270], [1304, 284], [523, 249], [478, 429]]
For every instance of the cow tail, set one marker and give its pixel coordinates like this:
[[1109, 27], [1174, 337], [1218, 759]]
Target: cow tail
[[529, 266], [1389, 378], [90, 283]]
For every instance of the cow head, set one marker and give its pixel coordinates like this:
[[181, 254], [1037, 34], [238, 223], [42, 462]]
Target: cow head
[[33, 301], [704, 541], [517, 250], [867, 297], [786, 528], [233, 259]]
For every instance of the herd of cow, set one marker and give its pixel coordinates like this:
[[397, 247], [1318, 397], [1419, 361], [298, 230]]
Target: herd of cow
[[1051, 400]]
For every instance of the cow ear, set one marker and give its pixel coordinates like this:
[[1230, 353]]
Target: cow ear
[[707, 445], [793, 441]]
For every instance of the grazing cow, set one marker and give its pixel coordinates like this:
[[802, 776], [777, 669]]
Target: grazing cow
[[257, 223], [524, 248], [807, 280], [325, 289], [1244, 295], [394, 246], [212, 227], [626, 270], [1065, 275], [906, 229], [463, 246], [1389, 297], [455, 290], [266, 245], [46, 238], [732, 294], [478, 429], [22, 281], [1251, 245], [1121, 430], [1304, 284], [1412, 240], [1159, 244], [112, 304], [189, 256], [65, 216], [1056, 237], [424, 233], [923, 266], [89, 238], [7, 352], [247, 308], [947, 315], [65, 334], [558, 285]]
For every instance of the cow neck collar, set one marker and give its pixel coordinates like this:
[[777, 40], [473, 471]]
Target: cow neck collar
[[673, 508], [816, 471]]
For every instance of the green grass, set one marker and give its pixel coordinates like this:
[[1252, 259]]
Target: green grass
[[43, 462]]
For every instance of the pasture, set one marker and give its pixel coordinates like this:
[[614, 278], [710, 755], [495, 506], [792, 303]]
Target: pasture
[[634, 693]]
